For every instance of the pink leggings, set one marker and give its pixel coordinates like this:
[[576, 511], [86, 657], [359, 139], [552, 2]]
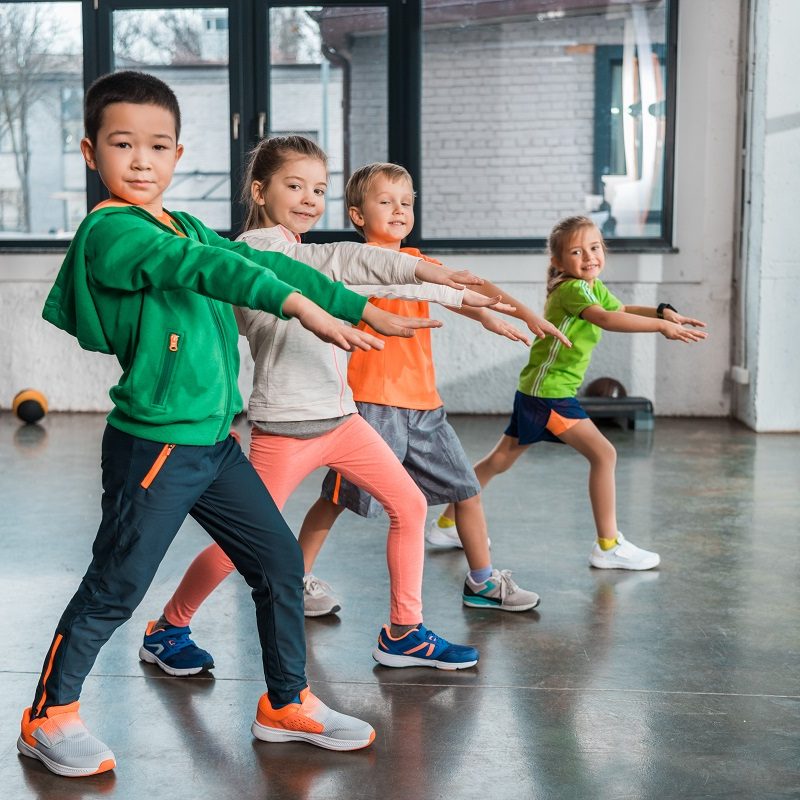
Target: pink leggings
[[357, 451]]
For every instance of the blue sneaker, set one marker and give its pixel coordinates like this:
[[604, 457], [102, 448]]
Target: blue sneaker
[[173, 651], [422, 648]]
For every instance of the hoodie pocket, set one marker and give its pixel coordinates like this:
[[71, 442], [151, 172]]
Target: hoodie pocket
[[172, 348]]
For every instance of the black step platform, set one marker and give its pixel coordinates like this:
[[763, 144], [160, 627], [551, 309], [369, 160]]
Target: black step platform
[[629, 412]]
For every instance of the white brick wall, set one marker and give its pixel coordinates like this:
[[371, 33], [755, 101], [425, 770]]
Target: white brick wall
[[507, 121]]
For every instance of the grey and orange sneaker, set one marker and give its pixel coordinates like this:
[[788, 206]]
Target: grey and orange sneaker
[[311, 721], [63, 744]]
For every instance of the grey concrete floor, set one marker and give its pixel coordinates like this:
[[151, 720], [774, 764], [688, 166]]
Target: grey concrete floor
[[678, 683]]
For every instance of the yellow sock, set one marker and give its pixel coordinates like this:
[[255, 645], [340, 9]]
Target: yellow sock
[[606, 544], [445, 522]]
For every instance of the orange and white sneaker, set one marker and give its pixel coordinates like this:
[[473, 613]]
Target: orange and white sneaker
[[63, 744], [311, 721]]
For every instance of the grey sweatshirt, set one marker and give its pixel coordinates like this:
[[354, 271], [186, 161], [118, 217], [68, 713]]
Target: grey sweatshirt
[[297, 376]]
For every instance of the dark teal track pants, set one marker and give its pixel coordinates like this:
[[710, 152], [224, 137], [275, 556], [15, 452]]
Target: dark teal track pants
[[148, 490]]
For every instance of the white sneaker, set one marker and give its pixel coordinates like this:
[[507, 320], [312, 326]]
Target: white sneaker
[[63, 744], [310, 721], [318, 597], [498, 591], [444, 537], [625, 555]]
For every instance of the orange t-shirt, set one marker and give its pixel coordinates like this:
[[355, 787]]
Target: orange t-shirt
[[401, 374]]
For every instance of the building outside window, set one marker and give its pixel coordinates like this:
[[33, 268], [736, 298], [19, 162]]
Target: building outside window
[[519, 114]]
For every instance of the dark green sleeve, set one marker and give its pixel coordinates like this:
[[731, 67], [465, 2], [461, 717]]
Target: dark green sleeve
[[333, 296]]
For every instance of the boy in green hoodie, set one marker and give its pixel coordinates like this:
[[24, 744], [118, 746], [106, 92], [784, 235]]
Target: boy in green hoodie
[[155, 289]]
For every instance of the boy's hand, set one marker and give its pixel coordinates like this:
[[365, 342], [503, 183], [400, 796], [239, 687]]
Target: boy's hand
[[679, 319], [475, 300], [672, 330], [326, 327], [436, 273], [393, 324], [503, 328], [540, 328]]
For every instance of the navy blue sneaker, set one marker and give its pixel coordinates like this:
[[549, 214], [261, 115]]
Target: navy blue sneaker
[[173, 651], [421, 647]]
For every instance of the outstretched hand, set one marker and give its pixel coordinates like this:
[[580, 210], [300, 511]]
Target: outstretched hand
[[672, 330], [540, 328], [437, 273], [328, 328], [679, 319], [473, 299], [393, 324], [503, 328]]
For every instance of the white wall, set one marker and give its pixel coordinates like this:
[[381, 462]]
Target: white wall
[[477, 372], [771, 259]]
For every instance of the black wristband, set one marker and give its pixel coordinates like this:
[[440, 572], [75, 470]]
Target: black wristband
[[662, 307]]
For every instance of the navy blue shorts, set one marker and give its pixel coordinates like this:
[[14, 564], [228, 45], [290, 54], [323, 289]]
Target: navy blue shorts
[[542, 419]]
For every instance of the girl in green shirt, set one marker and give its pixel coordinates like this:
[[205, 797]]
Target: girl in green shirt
[[545, 405]]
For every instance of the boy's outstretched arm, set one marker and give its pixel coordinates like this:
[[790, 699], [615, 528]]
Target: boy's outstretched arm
[[537, 325], [626, 322], [328, 328], [493, 323]]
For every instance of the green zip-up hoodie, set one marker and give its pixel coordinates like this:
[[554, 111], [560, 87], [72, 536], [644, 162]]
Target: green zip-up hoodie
[[162, 304]]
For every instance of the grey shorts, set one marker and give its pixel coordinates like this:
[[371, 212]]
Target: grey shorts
[[427, 447]]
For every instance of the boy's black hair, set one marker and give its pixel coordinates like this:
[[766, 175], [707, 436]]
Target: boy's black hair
[[127, 86]]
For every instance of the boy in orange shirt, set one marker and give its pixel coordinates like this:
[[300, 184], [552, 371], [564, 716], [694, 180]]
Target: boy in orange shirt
[[395, 392]]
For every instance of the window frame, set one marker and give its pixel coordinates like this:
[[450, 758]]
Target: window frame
[[248, 22]]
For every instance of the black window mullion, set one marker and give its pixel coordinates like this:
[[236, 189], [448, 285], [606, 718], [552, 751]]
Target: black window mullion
[[240, 58], [405, 95]]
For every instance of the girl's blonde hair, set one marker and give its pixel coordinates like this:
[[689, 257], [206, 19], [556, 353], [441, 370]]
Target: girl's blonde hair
[[558, 241], [264, 160], [360, 181]]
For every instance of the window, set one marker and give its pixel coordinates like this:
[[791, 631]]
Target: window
[[178, 46], [322, 78], [71, 119], [41, 175], [539, 96], [508, 115]]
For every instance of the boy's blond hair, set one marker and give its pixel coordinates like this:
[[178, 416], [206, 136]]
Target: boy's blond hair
[[360, 181]]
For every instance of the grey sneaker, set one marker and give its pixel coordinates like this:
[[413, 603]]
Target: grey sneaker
[[310, 721], [62, 743], [318, 597], [498, 591], [625, 555]]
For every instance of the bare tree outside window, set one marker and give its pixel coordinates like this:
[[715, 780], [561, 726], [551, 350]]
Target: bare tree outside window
[[294, 36], [26, 37], [158, 37]]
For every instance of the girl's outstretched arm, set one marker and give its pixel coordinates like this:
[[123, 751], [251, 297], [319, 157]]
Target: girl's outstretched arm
[[628, 322], [669, 314], [389, 324]]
